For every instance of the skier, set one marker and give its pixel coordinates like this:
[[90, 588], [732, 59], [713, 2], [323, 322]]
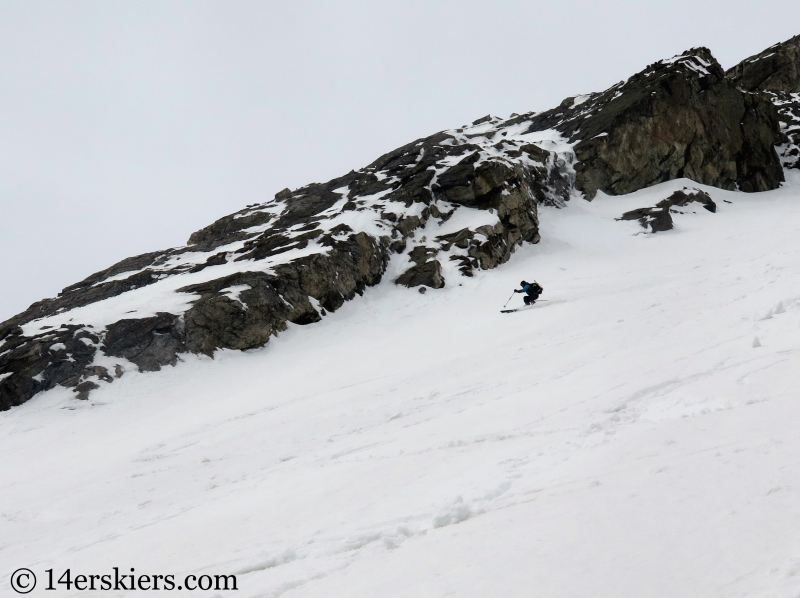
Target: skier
[[532, 290]]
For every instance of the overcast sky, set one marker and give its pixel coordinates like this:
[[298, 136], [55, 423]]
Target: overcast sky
[[126, 125]]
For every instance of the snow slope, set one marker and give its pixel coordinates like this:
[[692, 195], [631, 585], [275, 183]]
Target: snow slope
[[630, 437]]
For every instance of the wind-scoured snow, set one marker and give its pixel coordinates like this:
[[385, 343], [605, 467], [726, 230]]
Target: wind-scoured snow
[[634, 435]]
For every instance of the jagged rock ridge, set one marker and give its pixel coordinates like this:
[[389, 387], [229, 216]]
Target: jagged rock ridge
[[435, 209], [677, 118]]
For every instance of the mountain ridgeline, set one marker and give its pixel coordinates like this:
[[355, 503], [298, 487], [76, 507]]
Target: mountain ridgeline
[[422, 216]]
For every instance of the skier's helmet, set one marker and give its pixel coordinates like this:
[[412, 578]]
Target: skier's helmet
[[523, 283]]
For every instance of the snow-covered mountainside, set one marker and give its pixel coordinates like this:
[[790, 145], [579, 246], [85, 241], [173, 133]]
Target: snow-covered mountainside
[[632, 434], [427, 214], [635, 435]]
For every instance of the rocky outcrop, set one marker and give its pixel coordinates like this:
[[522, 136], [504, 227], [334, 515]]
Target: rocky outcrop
[[788, 105], [776, 73], [775, 69], [445, 206], [678, 118], [239, 311], [659, 217], [441, 206], [427, 273]]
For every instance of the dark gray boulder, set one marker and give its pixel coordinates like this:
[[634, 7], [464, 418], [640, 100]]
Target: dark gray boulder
[[428, 274], [659, 217]]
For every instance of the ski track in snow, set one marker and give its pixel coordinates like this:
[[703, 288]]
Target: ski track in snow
[[631, 439]]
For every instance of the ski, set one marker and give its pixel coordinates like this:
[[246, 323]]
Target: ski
[[511, 311]]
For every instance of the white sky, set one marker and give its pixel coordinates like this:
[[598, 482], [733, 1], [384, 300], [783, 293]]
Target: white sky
[[125, 126]]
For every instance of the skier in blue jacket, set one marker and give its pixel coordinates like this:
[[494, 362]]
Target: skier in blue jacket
[[532, 291]]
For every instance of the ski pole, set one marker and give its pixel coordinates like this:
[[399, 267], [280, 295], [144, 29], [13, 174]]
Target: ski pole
[[510, 298]]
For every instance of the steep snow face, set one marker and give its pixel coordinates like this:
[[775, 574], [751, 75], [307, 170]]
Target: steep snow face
[[634, 435]]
